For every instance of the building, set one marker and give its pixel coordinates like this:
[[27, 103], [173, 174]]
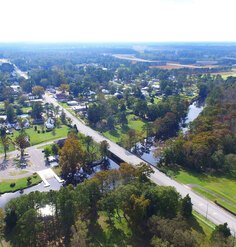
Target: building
[[72, 103], [49, 124]]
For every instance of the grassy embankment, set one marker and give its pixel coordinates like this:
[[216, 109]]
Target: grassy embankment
[[220, 189]]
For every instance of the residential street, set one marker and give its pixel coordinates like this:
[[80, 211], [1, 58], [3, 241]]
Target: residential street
[[200, 204]]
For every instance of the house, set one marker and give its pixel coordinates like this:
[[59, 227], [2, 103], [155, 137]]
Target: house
[[72, 103], [61, 97], [79, 108], [49, 124], [30, 102], [15, 88], [105, 91], [118, 95], [25, 125]]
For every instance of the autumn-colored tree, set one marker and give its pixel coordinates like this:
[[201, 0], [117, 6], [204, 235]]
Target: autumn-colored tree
[[38, 91], [64, 87], [71, 155]]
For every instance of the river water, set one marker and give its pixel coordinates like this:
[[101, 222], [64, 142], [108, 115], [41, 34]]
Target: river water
[[54, 185], [193, 112]]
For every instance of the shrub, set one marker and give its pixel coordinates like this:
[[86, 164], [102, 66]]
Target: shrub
[[12, 185], [29, 180]]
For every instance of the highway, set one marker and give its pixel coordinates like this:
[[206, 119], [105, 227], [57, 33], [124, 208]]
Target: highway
[[203, 206]]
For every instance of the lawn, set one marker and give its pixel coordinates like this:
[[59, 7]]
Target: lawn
[[37, 138], [5, 184], [222, 189], [133, 123]]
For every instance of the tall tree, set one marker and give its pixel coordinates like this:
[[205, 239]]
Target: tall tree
[[22, 142], [79, 233], [10, 112], [5, 140], [71, 155], [37, 110], [186, 206], [38, 91], [104, 147]]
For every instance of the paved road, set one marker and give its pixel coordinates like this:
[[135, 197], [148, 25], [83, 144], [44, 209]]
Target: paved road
[[36, 161], [200, 204]]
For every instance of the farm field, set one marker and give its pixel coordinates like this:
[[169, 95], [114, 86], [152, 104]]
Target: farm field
[[225, 75]]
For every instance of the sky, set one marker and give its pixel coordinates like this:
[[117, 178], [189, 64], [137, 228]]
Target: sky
[[117, 20]]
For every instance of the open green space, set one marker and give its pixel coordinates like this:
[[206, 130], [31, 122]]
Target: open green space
[[119, 132], [6, 185], [220, 189], [37, 138]]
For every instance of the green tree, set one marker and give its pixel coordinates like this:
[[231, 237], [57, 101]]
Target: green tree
[[2, 223], [104, 148], [47, 152], [22, 142], [79, 233], [55, 149], [10, 112], [5, 140], [27, 229], [37, 110], [186, 206]]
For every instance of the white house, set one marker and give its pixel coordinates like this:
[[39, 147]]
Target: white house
[[72, 103], [50, 123]]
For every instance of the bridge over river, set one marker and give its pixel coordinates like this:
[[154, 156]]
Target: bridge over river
[[203, 206]]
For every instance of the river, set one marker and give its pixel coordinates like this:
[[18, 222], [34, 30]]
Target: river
[[54, 185], [193, 112]]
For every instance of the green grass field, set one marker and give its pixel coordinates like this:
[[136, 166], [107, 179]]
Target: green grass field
[[119, 132], [222, 189], [19, 183], [37, 138]]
